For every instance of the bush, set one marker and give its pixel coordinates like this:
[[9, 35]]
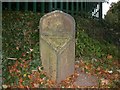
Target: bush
[[20, 40], [91, 39], [112, 17]]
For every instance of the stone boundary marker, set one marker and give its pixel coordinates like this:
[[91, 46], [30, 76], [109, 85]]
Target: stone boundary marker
[[57, 45]]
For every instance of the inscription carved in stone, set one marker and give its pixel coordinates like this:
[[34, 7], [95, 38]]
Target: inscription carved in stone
[[57, 45]]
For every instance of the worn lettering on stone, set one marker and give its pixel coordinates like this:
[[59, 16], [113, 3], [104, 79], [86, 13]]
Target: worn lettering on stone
[[57, 45]]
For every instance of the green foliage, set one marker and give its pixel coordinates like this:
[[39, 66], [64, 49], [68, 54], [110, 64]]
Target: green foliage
[[113, 22], [91, 40], [19, 30], [20, 36], [86, 46], [112, 17]]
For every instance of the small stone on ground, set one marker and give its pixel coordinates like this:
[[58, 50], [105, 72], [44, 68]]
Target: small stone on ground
[[86, 80]]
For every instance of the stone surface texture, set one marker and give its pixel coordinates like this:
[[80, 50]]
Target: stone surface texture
[[86, 80], [57, 45]]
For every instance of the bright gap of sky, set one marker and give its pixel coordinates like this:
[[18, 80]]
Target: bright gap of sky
[[106, 6]]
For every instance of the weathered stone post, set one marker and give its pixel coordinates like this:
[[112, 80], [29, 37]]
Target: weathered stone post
[[57, 45]]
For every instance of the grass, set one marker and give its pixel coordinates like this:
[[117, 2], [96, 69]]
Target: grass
[[20, 46]]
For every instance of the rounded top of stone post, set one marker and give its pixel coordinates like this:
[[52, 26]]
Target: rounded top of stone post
[[57, 11], [57, 21]]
